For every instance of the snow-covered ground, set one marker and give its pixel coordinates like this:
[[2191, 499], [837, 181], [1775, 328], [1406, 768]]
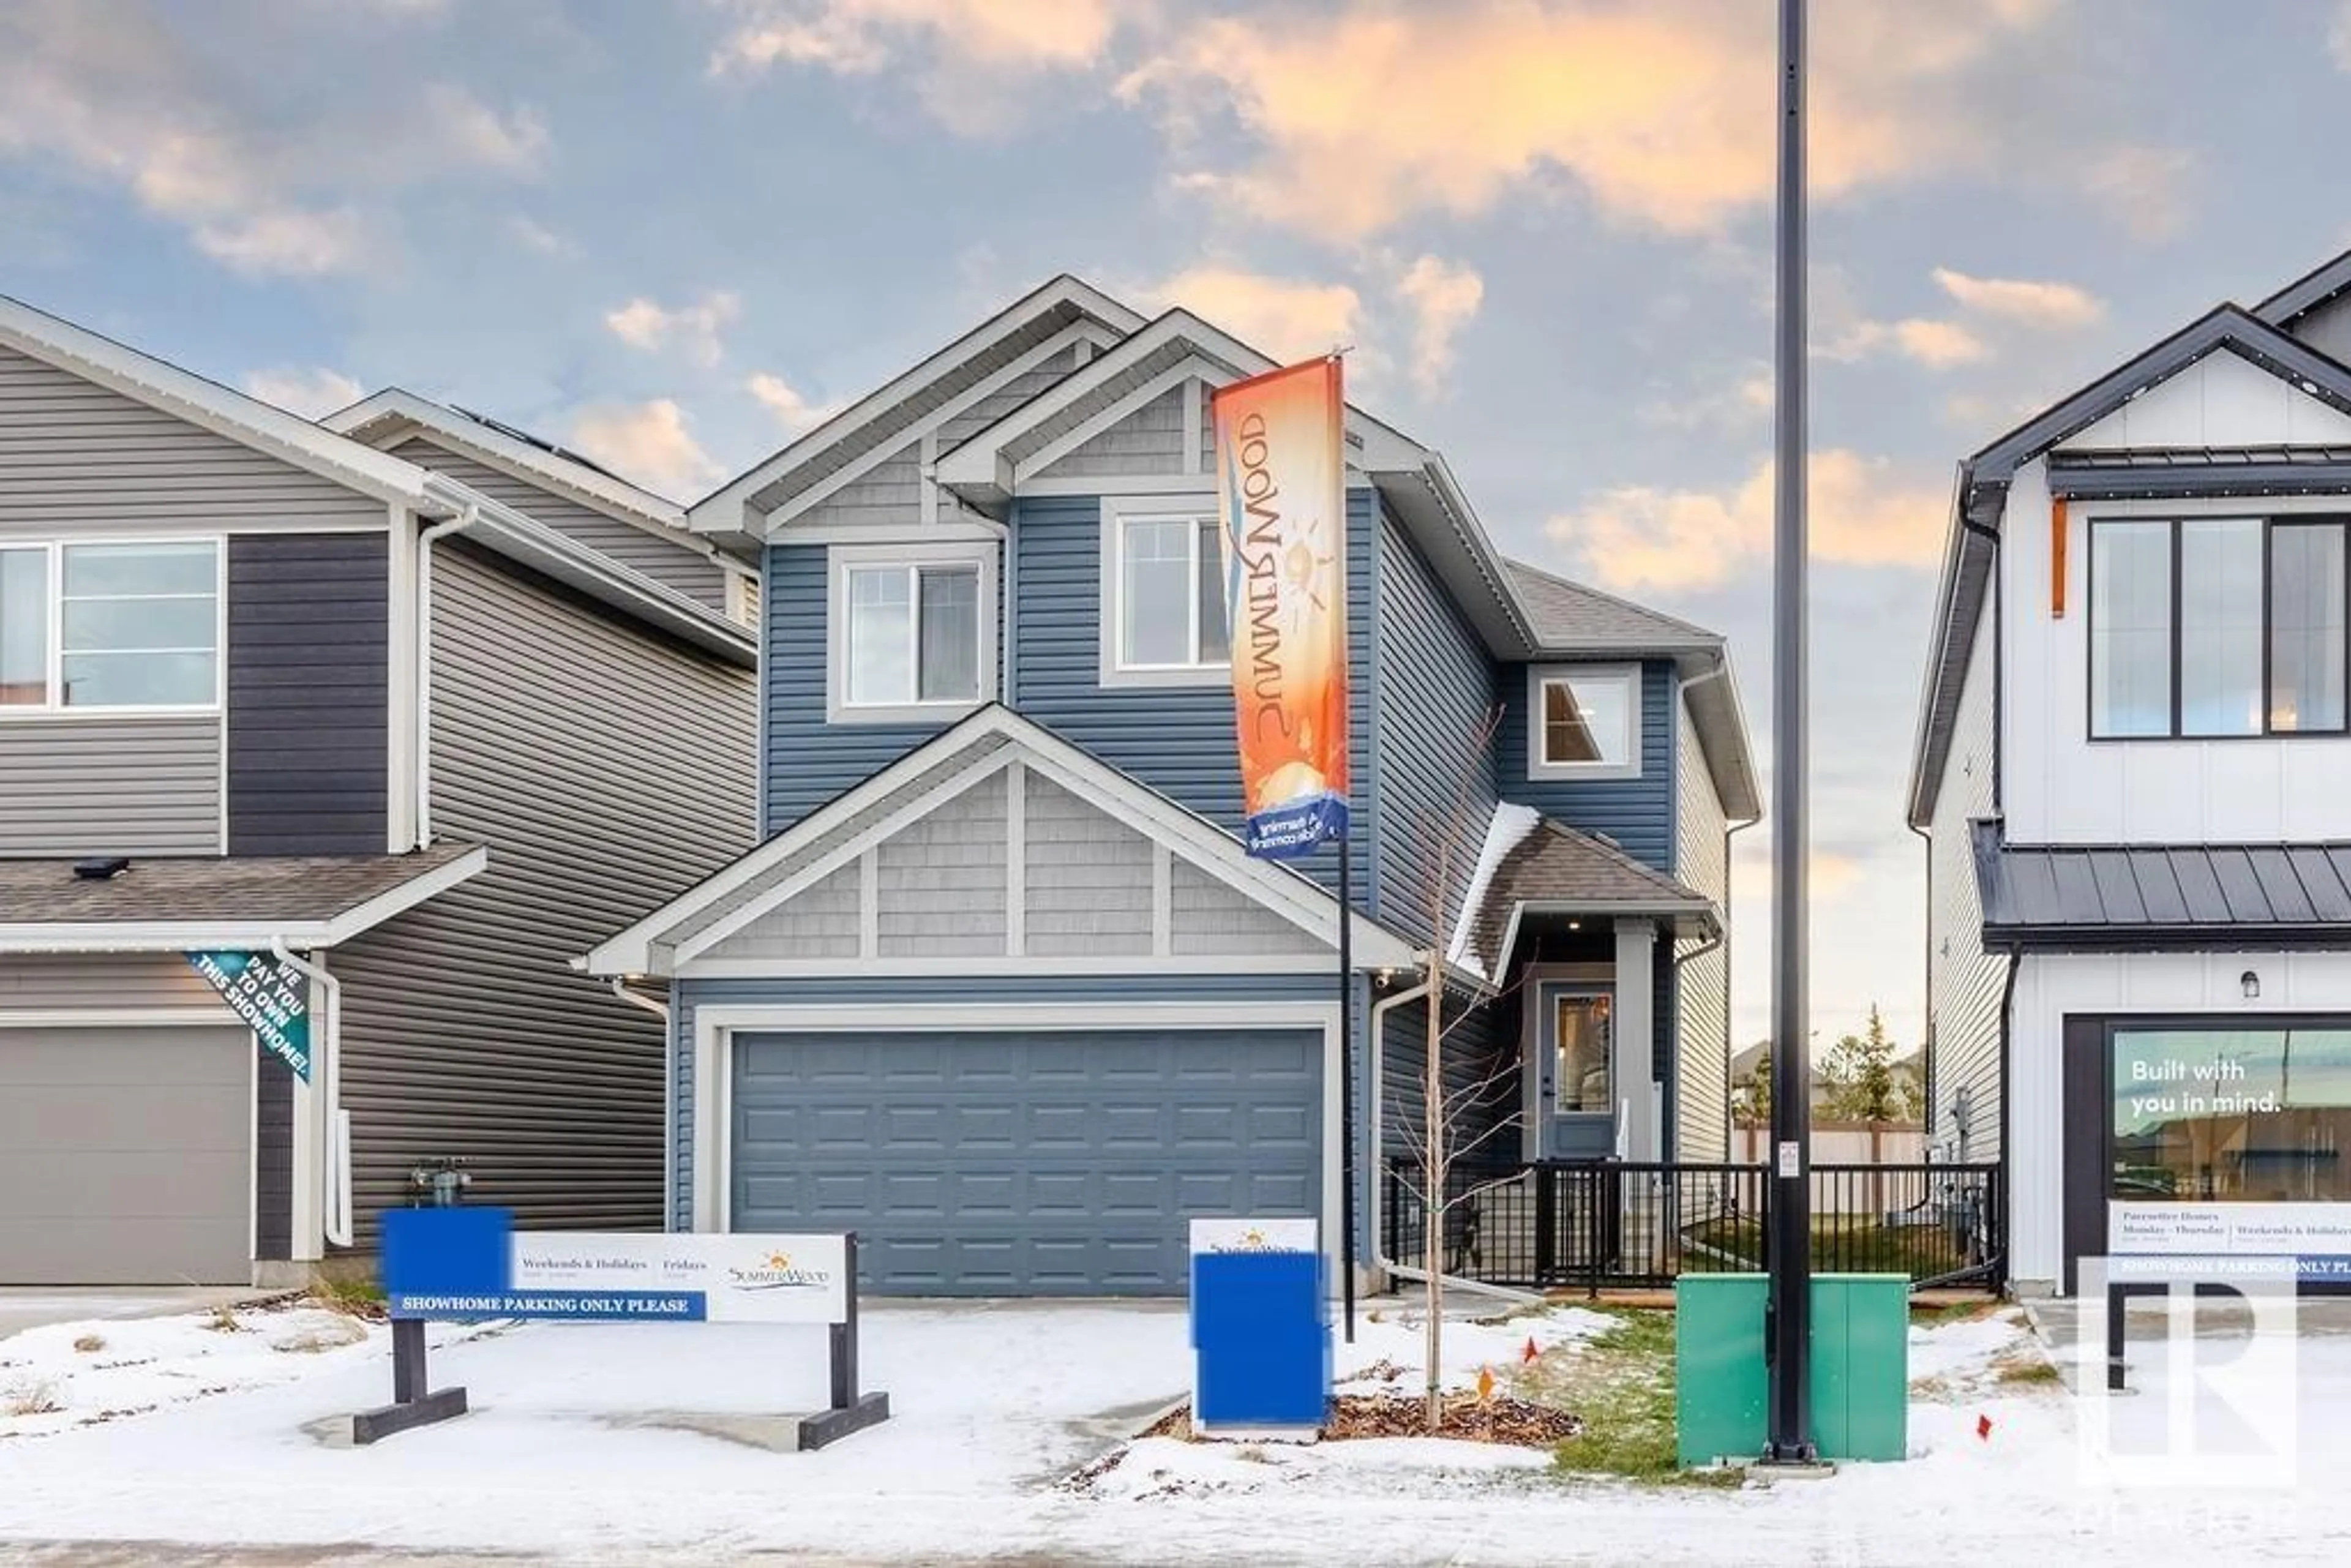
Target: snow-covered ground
[[996, 1406]]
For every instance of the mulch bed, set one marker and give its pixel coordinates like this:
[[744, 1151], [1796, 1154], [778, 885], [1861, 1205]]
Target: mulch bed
[[1497, 1421]]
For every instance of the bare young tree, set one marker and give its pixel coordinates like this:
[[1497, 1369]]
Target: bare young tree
[[1447, 1115]]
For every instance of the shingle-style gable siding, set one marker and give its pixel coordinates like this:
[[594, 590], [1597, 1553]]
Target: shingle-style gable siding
[[308, 717], [1087, 877], [1434, 687], [1638, 813], [665, 561], [986, 411], [1149, 440], [940, 881], [887, 496]]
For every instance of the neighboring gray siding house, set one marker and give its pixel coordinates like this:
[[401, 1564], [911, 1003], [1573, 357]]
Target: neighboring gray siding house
[[1001, 991], [359, 716]]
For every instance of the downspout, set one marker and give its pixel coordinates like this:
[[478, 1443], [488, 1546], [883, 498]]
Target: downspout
[[1729, 1049], [1377, 1047], [660, 1010], [336, 1165], [1926, 1046], [470, 514]]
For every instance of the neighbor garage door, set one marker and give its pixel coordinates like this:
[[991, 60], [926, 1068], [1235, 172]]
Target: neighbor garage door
[[1043, 1163], [125, 1156]]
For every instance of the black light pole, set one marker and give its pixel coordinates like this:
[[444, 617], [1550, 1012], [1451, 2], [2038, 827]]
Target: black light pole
[[1791, 1195]]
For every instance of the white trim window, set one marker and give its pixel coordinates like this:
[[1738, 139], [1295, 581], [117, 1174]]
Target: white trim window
[[1585, 721], [1164, 619], [913, 632], [111, 626]]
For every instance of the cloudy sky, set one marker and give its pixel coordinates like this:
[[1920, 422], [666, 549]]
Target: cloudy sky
[[677, 232]]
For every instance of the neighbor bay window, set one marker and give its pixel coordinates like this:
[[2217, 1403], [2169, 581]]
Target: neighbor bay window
[[2214, 627], [111, 626]]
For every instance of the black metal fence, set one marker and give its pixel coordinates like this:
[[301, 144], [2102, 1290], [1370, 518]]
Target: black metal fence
[[1617, 1223]]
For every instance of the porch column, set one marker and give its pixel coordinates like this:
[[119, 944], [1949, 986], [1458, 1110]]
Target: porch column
[[1634, 1069]]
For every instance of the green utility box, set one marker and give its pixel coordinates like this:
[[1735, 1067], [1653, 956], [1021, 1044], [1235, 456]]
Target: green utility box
[[1860, 1371], [1861, 1365], [1719, 1384]]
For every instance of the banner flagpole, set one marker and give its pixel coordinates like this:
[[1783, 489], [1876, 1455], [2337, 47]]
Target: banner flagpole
[[1347, 1200]]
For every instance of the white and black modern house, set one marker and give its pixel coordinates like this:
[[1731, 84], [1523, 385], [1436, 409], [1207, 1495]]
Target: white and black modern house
[[2133, 767]]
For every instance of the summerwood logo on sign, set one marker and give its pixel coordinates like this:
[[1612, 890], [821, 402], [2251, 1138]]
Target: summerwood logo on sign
[[777, 1272], [271, 996]]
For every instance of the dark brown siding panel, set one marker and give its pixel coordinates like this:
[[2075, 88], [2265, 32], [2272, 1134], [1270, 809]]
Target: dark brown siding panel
[[607, 770], [308, 650], [273, 1161]]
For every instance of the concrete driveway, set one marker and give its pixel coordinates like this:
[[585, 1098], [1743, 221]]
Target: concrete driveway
[[25, 1307]]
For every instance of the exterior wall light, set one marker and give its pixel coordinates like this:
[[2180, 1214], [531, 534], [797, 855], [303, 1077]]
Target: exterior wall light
[[2251, 984]]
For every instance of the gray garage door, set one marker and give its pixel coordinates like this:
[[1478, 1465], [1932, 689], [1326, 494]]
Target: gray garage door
[[1045, 1164], [125, 1156]]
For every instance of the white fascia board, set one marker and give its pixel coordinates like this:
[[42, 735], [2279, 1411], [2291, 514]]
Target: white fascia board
[[975, 460], [723, 510], [523, 538], [928, 424], [184, 935], [630, 951], [393, 414], [247, 421]]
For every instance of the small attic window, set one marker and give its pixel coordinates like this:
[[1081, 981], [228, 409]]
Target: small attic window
[[1585, 721]]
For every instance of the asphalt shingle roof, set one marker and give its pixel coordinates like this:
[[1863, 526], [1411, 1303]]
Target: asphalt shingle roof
[[1572, 615], [175, 890], [1554, 864]]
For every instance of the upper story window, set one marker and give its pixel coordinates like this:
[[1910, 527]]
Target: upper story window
[[111, 626], [1163, 594], [2207, 627], [1585, 721], [912, 631]]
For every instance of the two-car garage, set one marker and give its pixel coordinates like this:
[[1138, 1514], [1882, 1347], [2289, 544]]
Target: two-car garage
[[1022, 1162]]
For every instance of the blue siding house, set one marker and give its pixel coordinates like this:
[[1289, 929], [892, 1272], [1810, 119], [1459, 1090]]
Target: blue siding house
[[1001, 991]]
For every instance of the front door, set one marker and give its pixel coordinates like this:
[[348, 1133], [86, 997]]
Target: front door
[[1576, 1047]]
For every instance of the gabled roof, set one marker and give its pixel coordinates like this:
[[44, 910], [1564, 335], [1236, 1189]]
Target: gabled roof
[[1533, 865], [2319, 286], [988, 465], [392, 414], [2108, 898], [993, 737], [185, 903], [208, 404], [1027, 322], [1980, 501], [1574, 620], [1569, 616], [395, 481]]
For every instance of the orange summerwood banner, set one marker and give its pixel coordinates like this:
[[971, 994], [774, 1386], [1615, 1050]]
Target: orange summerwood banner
[[1284, 501]]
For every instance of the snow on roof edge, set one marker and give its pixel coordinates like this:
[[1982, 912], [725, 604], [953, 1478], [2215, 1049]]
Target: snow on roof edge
[[1505, 830]]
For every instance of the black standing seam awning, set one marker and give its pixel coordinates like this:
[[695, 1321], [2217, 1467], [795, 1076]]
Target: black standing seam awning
[[2109, 475], [2107, 897]]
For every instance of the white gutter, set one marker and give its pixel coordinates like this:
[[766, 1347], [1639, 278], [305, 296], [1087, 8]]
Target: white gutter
[[421, 751], [337, 1166], [668, 1091]]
